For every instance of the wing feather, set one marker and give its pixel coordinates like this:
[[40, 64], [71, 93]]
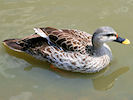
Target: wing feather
[[68, 39]]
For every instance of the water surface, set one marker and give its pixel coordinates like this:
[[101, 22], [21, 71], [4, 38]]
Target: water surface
[[25, 78]]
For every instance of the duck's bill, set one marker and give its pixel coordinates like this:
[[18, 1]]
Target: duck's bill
[[121, 40]]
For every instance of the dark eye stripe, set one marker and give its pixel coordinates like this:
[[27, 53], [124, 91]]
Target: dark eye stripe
[[110, 35]]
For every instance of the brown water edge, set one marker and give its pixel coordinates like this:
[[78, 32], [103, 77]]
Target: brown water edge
[[100, 81]]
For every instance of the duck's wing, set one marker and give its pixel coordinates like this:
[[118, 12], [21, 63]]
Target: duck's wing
[[34, 41], [68, 39]]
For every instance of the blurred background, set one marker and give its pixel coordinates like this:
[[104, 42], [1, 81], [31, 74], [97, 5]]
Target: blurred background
[[25, 78]]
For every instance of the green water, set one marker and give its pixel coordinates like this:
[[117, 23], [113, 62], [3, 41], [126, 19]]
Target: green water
[[24, 78]]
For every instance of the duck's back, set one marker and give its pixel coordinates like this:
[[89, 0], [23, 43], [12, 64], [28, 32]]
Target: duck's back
[[67, 39]]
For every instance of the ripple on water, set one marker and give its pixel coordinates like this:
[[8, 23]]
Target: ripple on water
[[13, 63], [22, 96]]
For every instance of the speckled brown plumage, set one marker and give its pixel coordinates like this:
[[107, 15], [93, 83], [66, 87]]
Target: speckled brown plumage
[[69, 40], [68, 49]]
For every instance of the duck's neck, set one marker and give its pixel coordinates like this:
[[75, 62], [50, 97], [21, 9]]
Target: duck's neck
[[98, 47], [97, 50], [102, 49], [96, 43]]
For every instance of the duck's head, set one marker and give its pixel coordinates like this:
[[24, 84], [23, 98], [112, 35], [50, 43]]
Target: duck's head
[[106, 34]]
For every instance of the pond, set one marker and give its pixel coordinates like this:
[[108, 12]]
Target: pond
[[25, 78]]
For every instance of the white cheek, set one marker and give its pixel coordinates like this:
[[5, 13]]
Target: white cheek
[[112, 38], [103, 39], [107, 39]]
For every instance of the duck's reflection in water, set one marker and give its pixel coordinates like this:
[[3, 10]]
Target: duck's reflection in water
[[100, 81], [106, 82]]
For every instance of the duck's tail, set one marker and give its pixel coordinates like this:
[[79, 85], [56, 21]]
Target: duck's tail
[[12, 44], [33, 41]]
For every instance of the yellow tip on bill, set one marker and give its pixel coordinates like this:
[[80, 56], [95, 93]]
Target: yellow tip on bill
[[126, 41]]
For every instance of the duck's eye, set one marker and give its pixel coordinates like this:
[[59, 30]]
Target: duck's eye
[[110, 35]]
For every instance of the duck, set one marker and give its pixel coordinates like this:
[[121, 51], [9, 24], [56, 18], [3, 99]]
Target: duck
[[69, 49]]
